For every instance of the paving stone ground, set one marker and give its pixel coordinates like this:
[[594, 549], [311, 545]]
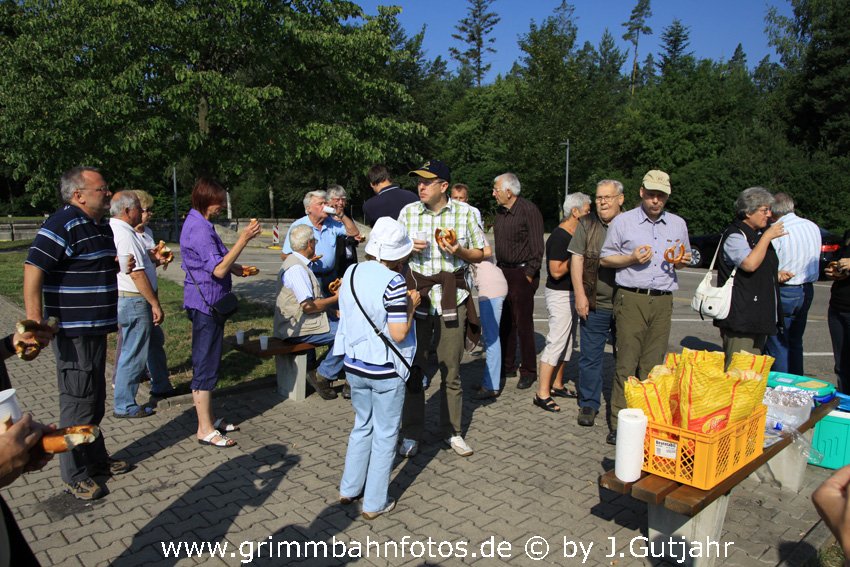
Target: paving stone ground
[[532, 479]]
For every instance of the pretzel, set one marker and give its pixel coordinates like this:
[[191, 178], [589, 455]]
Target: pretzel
[[335, 285], [27, 351], [674, 257], [67, 438], [250, 271], [315, 258], [445, 236]]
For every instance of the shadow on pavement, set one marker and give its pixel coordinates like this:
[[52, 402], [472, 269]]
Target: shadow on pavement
[[208, 509]]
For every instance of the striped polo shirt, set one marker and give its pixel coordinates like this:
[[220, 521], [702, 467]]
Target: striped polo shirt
[[77, 256]]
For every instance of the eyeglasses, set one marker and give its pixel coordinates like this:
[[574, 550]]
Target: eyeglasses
[[147, 210], [101, 189], [763, 210], [606, 198], [428, 182]]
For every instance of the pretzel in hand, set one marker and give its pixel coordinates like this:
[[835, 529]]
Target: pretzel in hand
[[315, 258], [164, 253], [65, 439], [335, 285], [445, 237], [250, 271], [675, 254], [26, 350]]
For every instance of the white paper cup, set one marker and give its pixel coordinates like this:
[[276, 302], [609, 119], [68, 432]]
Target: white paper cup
[[330, 210], [264, 342], [123, 262], [240, 337], [9, 407]]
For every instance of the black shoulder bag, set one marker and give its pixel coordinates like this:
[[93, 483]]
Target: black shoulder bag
[[414, 381], [221, 310]]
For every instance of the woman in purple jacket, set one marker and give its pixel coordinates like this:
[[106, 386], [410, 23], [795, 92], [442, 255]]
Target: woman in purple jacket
[[208, 266]]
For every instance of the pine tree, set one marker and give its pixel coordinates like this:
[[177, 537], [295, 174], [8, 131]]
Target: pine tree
[[675, 40], [473, 31], [634, 28]]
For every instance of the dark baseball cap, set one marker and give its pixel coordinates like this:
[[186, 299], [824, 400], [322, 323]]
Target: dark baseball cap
[[432, 170]]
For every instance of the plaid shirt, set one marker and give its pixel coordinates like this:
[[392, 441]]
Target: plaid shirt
[[417, 218]]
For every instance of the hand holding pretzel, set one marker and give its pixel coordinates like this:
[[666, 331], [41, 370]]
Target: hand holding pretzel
[[675, 254], [447, 239], [334, 286]]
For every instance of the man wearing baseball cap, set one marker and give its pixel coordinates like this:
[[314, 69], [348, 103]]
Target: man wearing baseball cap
[[438, 269], [643, 303]]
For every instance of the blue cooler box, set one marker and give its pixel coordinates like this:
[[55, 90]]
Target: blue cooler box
[[832, 438]]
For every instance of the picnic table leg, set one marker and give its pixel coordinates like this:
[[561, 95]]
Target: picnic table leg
[[705, 527], [789, 466], [291, 376]]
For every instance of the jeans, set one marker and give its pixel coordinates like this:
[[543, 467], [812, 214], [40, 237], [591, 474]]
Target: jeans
[[135, 323], [491, 313], [839, 331], [787, 348], [594, 334], [332, 364], [371, 445]]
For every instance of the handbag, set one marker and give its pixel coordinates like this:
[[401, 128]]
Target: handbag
[[221, 310], [710, 301], [415, 381]]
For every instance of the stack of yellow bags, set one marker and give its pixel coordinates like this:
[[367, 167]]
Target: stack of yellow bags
[[692, 391]]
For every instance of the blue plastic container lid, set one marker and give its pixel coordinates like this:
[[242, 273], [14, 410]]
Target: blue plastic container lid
[[819, 388]]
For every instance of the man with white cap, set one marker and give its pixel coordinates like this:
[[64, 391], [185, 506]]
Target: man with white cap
[[374, 295], [636, 245], [438, 267]]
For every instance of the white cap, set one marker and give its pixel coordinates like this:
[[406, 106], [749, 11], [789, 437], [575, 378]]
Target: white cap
[[388, 240]]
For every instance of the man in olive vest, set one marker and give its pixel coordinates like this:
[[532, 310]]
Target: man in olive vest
[[301, 312]]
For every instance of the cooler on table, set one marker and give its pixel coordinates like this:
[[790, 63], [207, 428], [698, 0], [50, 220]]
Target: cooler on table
[[832, 436]]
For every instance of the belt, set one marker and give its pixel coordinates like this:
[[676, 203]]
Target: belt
[[795, 285], [514, 266], [129, 294], [645, 291]]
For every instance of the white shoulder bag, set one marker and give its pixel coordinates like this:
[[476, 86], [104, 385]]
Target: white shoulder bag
[[710, 301]]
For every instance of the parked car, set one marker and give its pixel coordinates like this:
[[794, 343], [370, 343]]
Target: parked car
[[704, 246], [702, 249]]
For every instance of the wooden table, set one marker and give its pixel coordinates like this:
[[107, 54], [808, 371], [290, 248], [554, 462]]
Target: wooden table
[[677, 510], [290, 368]]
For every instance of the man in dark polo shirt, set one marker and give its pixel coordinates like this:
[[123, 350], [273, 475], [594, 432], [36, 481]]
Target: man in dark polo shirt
[[389, 198], [518, 235], [72, 265]]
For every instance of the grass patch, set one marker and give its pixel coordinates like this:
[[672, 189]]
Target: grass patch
[[831, 556], [236, 367], [23, 244]]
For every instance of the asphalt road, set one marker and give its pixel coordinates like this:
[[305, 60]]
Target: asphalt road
[[688, 330]]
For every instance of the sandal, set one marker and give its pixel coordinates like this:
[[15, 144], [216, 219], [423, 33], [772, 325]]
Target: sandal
[[547, 404], [226, 427], [223, 440], [563, 393]]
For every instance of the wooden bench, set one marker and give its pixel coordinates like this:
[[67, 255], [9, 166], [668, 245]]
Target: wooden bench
[[290, 366], [677, 510]]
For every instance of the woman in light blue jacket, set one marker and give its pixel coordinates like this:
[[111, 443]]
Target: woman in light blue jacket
[[374, 295]]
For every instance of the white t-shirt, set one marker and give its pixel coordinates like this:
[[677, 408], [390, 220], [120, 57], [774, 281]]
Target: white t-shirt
[[128, 241]]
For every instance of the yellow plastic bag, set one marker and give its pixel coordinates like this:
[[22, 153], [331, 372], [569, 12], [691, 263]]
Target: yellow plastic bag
[[742, 360], [705, 396], [652, 395], [747, 393]]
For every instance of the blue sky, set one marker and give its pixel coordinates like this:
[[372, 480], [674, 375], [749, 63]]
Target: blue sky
[[716, 26]]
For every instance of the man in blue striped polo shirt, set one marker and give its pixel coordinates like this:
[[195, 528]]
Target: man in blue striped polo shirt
[[799, 254], [70, 273]]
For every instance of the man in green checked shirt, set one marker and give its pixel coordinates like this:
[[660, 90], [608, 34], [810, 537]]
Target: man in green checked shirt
[[433, 269]]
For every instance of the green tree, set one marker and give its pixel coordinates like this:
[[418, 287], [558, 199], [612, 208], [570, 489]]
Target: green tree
[[635, 27], [675, 39], [473, 30]]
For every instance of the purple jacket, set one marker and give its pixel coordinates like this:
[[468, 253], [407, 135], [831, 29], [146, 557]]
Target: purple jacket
[[202, 250]]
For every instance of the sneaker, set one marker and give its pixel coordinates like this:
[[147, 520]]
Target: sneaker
[[86, 489], [612, 437], [346, 391], [408, 448], [459, 445], [110, 468], [586, 416], [321, 385], [372, 515]]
